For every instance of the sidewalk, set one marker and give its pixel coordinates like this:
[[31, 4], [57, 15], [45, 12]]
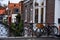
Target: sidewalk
[[43, 36]]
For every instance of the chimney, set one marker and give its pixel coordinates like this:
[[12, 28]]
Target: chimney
[[8, 2]]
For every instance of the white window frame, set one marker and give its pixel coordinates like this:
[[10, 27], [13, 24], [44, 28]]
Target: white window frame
[[39, 17]]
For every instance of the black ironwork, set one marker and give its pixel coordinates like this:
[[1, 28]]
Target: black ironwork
[[48, 29]]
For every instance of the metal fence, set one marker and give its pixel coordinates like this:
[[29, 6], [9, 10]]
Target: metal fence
[[3, 31], [30, 29], [45, 29]]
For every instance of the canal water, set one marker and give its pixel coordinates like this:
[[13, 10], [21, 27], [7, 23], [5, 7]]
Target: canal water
[[3, 31]]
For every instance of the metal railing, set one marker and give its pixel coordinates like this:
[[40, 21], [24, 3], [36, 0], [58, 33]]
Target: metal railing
[[48, 29], [30, 29], [4, 31]]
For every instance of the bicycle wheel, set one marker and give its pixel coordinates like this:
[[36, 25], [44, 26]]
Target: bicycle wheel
[[39, 32], [55, 30]]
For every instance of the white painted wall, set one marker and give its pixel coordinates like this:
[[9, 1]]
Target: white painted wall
[[5, 16], [14, 17], [57, 11]]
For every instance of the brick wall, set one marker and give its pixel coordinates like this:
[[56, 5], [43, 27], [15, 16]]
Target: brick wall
[[21, 9], [50, 4]]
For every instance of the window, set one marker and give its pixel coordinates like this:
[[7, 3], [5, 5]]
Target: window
[[41, 15], [36, 15], [58, 20], [36, 4], [1, 18], [16, 10], [14, 4], [42, 3], [42, 11]]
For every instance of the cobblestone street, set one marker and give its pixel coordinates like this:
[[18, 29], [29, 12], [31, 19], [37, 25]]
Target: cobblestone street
[[29, 38]]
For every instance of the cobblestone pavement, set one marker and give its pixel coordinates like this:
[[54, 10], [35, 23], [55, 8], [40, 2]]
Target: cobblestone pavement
[[30, 38]]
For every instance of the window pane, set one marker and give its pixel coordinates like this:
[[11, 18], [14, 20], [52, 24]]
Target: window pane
[[58, 20], [36, 4], [16, 10], [36, 15], [42, 15]]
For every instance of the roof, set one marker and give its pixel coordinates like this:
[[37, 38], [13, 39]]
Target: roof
[[13, 5], [2, 11]]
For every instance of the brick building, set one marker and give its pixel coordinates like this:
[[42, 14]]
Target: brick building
[[28, 6], [52, 12], [2, 13], [41, 11], [14, 9], [50, 7], [35, 11], [2, 10]]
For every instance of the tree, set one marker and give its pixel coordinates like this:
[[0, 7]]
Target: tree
[[18, 26], [18, 18]]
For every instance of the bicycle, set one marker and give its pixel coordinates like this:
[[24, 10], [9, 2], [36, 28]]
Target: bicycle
[[49, 30]]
